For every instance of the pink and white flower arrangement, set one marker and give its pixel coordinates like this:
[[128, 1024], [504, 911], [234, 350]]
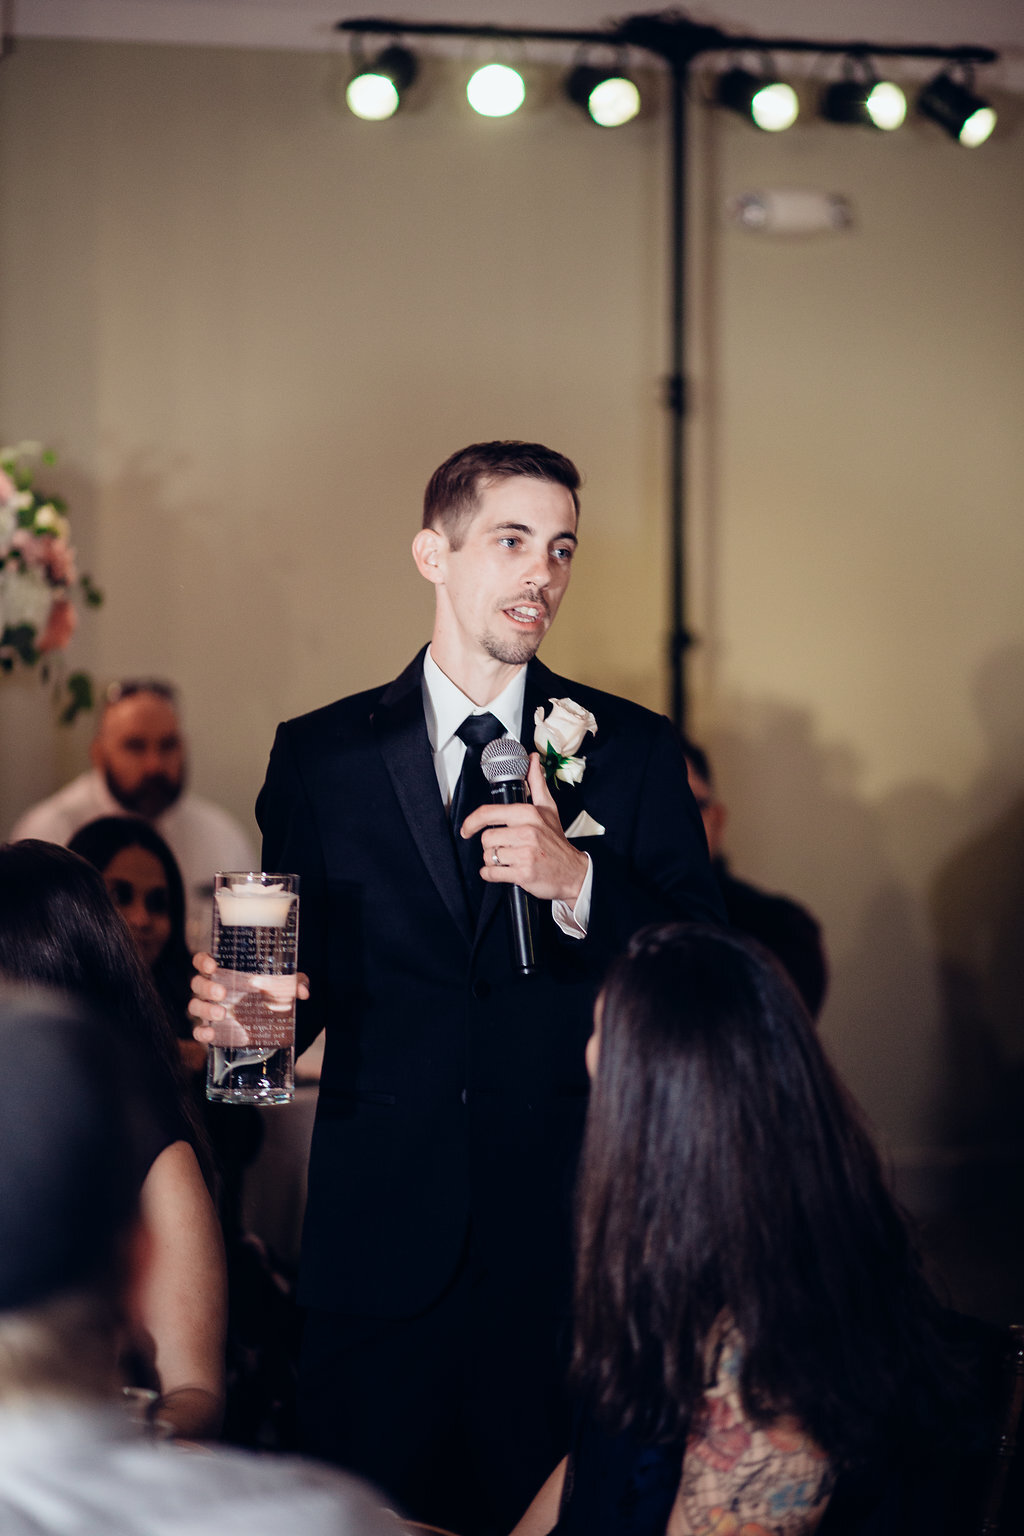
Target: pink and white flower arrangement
[[39, 578]]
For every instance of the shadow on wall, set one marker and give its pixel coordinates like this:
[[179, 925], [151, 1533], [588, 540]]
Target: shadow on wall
[[800, 824], [921, 896], [974, 897], [188, 563], [976, 904]]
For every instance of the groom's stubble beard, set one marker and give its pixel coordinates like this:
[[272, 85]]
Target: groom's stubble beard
[[512, 651]]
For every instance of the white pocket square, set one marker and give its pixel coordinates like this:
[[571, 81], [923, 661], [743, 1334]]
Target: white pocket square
[[585, 826]]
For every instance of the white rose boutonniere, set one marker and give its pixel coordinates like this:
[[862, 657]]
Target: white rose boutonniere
[[559, 737]]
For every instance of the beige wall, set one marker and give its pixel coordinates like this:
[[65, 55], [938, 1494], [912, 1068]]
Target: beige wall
[[858, 555], [252, 326]]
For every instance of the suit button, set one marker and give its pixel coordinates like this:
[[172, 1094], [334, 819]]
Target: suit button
[[465, 1096], [481, 990]]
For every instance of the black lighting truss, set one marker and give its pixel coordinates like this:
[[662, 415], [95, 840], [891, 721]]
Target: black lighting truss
[[677, 41]]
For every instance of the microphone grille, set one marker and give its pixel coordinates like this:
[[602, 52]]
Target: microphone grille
[[504, 759]]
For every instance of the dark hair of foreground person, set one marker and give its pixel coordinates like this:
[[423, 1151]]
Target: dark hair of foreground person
[[58, 929], [727, 1173]]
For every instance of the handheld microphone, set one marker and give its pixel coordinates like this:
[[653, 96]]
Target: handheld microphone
[[505, 764]]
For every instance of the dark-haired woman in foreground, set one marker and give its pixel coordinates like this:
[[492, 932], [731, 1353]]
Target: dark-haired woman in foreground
[[58, 928], [751, 1321]]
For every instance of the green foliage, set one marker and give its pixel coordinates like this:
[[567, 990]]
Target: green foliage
[[80, 697], [21, 640], [91, 592]]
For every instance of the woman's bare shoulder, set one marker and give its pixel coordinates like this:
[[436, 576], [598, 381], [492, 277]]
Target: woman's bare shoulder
[[767, 1479]]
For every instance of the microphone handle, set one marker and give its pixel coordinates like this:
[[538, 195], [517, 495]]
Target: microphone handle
[[523, 914]]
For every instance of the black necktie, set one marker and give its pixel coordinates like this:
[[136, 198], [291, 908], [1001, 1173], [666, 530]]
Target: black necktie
[[472, 790]]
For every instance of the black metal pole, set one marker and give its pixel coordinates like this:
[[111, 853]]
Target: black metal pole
[[6, 28], [666, 33], [679, 637]]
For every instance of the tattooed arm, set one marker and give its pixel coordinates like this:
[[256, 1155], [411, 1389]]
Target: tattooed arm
[[741, 1477]]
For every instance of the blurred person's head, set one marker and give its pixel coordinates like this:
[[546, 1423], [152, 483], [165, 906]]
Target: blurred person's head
[[139, 747], [727, 1175], [143, 879], [712, 812], [69, 1182]]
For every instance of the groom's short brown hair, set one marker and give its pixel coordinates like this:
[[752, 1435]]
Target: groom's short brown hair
[[453, 490]]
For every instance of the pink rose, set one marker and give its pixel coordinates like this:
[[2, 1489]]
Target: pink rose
[[31, 548], [60, 561]]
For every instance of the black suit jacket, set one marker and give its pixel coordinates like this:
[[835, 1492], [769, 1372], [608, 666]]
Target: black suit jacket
[[453, 1090]]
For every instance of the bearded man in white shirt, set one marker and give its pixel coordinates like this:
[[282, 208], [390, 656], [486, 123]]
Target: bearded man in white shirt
[[139, 767]]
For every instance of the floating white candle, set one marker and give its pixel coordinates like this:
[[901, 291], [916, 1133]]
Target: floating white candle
[[248, 905]]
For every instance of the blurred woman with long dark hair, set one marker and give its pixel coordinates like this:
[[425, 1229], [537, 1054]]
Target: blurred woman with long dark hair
[[58, 928], [145, 885], [751, 1323]]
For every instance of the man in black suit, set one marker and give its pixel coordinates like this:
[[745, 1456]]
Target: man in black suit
[[436, 1251]]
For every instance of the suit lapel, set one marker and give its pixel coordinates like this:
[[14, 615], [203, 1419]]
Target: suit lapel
[[541, 687], [401, 734]]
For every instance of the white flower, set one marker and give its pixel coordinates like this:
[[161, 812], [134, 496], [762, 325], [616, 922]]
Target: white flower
[[28, 449], [557, 738], [49, 520], [570, 770], [564, 728], [26, 598], [8, 523]]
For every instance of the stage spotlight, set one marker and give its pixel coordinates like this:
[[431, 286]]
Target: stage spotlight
[[879, 103], [496, 90], [375, 93], [770, 104], [886, 105], [610, 99], [954, 106]]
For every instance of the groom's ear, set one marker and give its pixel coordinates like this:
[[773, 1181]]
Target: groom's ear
[[429, 548]]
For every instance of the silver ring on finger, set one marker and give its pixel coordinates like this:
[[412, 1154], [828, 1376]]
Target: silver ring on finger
[[494, 857]]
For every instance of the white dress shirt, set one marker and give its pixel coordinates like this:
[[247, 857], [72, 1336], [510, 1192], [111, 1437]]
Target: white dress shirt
[[72, 1468], [202, 837], [445, 706]]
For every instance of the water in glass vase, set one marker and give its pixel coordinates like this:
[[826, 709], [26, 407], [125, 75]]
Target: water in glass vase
[[255, 938]]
